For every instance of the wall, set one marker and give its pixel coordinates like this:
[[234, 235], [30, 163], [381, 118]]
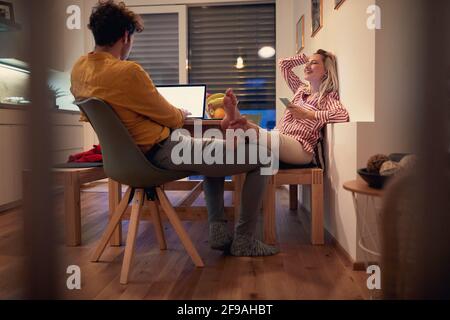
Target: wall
[[345, 34], [399, 59], [285, 42], [379, 86]]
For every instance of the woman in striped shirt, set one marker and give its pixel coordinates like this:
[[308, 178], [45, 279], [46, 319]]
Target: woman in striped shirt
[[316, 102]]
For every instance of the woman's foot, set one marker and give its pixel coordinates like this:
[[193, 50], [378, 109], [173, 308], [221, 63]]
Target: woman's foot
[[232, 113], [245, 246]]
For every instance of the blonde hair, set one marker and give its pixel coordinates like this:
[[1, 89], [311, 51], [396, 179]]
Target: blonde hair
[[330, 83]]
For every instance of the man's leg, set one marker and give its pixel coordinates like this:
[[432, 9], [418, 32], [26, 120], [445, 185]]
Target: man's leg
[[244, 243], [214, 191], [220, 237]]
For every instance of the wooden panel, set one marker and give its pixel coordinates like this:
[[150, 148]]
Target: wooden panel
[[68, 133], [67, 137], [281, 179], [8, 116], [11, 163], [66, 119]]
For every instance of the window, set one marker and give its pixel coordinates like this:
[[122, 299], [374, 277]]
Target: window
[[161, 48], [225, 45]]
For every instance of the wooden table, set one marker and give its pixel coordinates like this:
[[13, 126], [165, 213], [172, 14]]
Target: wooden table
[[360, 187]]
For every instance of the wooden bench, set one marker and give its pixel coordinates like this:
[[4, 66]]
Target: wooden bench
[[71, 179], [293, 176]]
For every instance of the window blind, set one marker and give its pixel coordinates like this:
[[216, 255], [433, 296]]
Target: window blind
[[156, 48], [218, 36]]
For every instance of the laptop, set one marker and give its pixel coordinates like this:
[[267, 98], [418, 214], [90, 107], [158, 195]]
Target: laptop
[[191, 97]]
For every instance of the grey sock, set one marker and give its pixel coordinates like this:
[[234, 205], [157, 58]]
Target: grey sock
[[245, 246], [220, 237]]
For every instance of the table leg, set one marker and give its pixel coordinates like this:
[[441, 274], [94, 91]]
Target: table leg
[[115, 195], [72, 208]]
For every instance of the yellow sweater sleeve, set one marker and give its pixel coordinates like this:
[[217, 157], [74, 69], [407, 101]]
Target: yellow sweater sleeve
[[144, 99]]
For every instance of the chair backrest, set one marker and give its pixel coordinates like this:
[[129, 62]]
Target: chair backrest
[[319, 152], [123, 161]]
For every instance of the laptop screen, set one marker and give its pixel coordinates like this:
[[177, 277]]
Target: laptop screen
[[189, 97]]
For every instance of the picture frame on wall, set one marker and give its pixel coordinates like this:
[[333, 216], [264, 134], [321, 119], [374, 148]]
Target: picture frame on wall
[[7, 11], [300, 34], [316, 16], [338, 4]]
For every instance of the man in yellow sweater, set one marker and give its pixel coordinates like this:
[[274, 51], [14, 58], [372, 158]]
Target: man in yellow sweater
[[105, 73]]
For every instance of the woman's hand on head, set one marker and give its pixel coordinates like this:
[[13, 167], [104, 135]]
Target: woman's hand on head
[[301, 113]]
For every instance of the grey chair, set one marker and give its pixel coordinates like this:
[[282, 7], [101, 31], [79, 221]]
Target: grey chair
[[125, 163]]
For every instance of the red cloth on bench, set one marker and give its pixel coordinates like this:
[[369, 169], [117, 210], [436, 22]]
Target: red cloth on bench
[[93, 155]]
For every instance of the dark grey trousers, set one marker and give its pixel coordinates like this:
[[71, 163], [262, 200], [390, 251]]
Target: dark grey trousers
[[167, 156]]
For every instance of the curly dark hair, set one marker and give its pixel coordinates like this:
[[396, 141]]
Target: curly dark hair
[[109, 21]]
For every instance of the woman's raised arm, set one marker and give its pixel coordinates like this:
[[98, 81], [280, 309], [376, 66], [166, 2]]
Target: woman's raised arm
[[286, 66]]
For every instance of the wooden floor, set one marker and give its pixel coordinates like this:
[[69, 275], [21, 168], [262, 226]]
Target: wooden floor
[[301, 271]]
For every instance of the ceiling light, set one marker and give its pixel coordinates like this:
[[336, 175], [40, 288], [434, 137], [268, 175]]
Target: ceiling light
[[266, 52]]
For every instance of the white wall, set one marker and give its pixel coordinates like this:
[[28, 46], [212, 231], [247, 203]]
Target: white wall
[[285, 46], [345, 34], [399, 61], [379, 86]]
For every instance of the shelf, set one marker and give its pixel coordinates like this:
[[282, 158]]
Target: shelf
[[7, 26]]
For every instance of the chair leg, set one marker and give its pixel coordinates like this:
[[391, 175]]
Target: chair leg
[[115, 195], [179, 229], [136, 209], [157, 224], [293, 196], [269, 208], [317, 233], [115, 220]]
